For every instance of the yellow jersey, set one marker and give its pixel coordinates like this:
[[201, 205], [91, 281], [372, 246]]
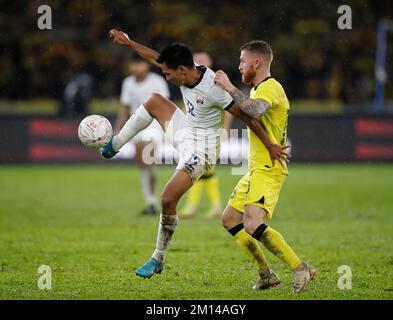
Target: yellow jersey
[[275, 122]]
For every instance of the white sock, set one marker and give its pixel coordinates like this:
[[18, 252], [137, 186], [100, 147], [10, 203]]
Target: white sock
[[166, 230], [137, 122], [147, 175]]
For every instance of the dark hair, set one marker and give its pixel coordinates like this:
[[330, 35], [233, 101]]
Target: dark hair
[[259, 46], [175, 55]]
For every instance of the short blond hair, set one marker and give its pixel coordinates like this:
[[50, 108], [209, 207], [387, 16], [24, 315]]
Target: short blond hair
[[259, 46]]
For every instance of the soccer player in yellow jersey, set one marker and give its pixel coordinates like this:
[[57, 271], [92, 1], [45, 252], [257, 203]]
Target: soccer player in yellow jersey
[[255, 196]]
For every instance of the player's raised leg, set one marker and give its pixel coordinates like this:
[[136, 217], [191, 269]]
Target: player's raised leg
[[232, 220], [156, 107], [173, 191], [254, 224]]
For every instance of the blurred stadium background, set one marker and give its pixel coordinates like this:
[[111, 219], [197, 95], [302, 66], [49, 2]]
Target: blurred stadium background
[[329, 74], [81, 221]]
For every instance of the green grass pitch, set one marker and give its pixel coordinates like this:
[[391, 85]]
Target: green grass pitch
[[84, 222]]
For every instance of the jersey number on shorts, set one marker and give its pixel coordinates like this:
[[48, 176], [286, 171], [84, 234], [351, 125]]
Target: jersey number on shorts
[[192, 162]]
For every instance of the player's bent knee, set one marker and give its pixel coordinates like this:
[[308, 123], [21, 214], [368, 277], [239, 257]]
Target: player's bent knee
[[226, 222], [155, 96], [249, 226], [168, 201], [152, 100], [229, 219]]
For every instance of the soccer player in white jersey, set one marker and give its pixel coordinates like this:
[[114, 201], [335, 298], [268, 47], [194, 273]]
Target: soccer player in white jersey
[[209, 181], [195, 134], [136, 88]]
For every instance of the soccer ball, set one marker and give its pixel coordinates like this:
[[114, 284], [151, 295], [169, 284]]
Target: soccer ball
[[95, 131]]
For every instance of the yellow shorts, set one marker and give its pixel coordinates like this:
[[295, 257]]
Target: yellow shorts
[[259, 188], [209, 173]]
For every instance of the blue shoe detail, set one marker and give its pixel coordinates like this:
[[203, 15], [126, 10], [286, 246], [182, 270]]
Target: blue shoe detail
[[107, 151], [151, 267]]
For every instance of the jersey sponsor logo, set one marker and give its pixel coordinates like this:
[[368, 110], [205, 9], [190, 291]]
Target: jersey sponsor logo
[[190, 108], [200, 100]]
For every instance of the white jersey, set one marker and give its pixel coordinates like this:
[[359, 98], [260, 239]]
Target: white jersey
[[134, 93], [204, 102]]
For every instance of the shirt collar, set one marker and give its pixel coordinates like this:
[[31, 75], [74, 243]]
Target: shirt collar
[[267, 78], [202, 69]]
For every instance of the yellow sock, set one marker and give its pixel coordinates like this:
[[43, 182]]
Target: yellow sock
[[194, 194], [213, 191], [252, 248], [276, 244]]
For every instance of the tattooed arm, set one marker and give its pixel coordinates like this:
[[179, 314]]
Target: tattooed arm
[[276, 152], [250, 111], [255, 108]]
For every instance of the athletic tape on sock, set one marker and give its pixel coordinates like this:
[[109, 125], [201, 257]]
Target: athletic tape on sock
[[233, 231], [259, 231]]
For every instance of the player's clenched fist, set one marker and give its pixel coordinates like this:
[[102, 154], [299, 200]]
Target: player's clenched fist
[[223, 81], [119, 37]]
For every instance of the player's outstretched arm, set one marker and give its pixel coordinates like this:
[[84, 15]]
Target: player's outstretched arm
[[145, 53], [255, 108], [276, 151]]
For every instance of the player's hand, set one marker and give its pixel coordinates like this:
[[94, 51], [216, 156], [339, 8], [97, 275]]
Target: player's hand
[[278, 153], [223, 81], [119, 37]]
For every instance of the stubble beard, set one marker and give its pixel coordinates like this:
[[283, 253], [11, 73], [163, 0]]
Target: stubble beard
[[248, 76]]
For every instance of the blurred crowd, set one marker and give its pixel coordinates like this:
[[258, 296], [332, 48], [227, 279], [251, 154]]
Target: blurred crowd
[[314, 59]]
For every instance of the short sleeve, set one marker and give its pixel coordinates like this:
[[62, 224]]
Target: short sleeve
[[265, 93], [220, 98]]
